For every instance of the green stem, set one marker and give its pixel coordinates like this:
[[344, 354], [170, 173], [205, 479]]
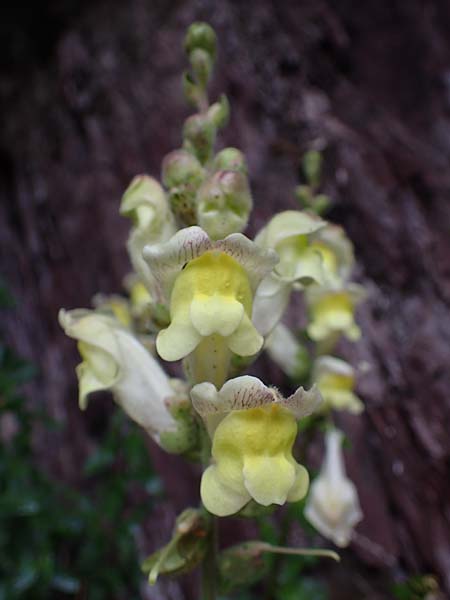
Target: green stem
[[263, 547], [209, 565]]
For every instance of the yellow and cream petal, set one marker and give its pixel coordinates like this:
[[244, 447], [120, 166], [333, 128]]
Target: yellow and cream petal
[[270, 302], [88, 383], [336, 250], [309, 267], [268, 479], [246, 340], [239, 393], [300, 486], [167, 260], [286, 224], [302, 403], [216, 314], [218, 498], [257, 262], [177, 341]]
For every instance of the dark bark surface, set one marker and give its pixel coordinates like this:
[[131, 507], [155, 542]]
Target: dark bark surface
[[90, 96]]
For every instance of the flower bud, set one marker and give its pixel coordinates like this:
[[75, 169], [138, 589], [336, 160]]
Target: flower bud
[[202, 65], [333, 505], [219, 112], [201, 35], [185, 437], [199, 135], [312, 167], [223, 204], [182, 174], [183, 552], [181, 167], [230, 159]]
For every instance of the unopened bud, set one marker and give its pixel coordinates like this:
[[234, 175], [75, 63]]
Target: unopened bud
[[219, 112], [182, 202], [223, 204], [241, 565], [185, 437], [230, 159], [199, 135], [201, 35], [181, 167], [312, 167], [202, 65]]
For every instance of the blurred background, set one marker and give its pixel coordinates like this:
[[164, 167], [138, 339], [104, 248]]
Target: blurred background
[[90, 95]]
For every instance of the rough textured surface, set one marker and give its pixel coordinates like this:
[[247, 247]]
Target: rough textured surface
[[90, 96]]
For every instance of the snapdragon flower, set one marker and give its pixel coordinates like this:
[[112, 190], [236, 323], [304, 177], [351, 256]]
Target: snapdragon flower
[[290, 233], [332, 311], [113, 359], [209, 287], [335, 379], [336, 251], [146, 204], [253, 429], [333, 505]]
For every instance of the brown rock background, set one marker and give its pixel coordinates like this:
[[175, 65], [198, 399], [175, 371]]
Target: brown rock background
[[90, 96]]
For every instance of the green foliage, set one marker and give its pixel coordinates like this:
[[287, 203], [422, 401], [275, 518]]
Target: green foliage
[[418, 587], [53, 539], [184, 551]]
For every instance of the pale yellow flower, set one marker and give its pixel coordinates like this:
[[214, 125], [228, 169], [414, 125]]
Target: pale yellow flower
[[335, 379], [336, 251], [253, 429], [146, 204], [113, 359], [291, 234], [332, 311], [209, 287]]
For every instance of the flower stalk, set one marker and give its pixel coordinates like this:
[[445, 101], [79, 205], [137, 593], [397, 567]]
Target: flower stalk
[[203, 293]]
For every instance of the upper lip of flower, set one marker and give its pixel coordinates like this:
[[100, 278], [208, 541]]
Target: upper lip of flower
[[167, 259], [247, 392]]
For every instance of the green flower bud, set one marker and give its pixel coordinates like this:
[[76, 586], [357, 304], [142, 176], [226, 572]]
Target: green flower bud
[[241, 565], [230, 159], [312, 167], [199, 135], [181, 168], [321, 204], [202, 65], [224, 203], [219, 112], [201, 35], [185, 437], [304, 195], [184, 551], [182, 202], [192, 91]]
